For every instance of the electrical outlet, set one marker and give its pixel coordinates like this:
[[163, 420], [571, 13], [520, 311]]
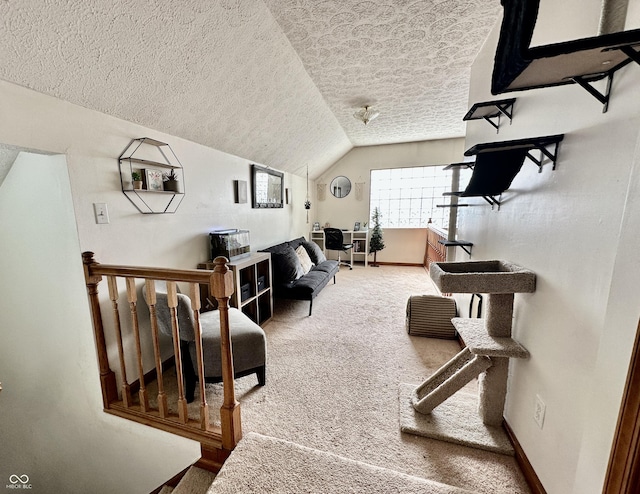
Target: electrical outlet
[[101, 211], [539, 411]]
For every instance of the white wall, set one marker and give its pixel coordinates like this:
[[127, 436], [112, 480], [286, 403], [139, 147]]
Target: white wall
[[92, 142], [52, 427], [45, 351], [578, 229], [401, 245]]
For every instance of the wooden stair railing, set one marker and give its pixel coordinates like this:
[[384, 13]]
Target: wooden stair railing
[[216, 442], [434, 252]]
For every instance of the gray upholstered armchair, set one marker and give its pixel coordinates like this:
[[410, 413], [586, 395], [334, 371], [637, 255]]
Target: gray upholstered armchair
[[247, 339]]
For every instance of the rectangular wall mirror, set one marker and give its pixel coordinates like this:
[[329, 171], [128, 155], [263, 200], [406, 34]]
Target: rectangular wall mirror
[[267, 187]]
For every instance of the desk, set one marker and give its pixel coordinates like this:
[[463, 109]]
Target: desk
[[359, 239]]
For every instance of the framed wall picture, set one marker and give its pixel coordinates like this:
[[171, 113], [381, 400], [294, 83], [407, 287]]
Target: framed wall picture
[[152, 179], [356, 227], [240, 191]]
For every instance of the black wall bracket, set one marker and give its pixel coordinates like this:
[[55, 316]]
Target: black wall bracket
[[491, 111], [463, 244]]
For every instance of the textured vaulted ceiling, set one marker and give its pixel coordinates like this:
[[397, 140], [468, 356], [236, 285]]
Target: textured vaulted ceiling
[[273, 81]]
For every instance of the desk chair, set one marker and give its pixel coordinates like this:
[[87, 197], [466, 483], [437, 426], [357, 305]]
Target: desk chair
[[333, 240]]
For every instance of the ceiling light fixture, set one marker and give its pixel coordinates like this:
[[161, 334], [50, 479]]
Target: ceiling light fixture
[[366, 114]]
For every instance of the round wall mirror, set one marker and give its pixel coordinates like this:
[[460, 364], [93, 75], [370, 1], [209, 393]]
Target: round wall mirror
[[340, 187]]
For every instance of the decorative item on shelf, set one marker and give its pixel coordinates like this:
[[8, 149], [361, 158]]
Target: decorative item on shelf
[[170, 181], [376, 243], [356, 226], [153, 179], [316, 226], [136, 180], [366, 114]]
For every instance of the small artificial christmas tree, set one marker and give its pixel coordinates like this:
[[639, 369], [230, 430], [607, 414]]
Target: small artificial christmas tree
[[376, 243]]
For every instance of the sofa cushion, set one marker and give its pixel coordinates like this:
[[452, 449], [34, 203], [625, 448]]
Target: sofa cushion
[[286, 265], [311, 282], [305, 260], [276, 249], [296, 242], [314, 251], [329, 267]]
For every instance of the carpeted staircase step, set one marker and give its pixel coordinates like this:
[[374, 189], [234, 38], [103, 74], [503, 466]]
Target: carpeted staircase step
[[195, 481], [262, 464]]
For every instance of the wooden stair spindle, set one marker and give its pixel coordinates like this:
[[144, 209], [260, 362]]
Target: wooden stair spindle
[[221, 285], [172, 302], [194, 294], [163, 408], [112, 283], [132, 297], [107, 376]]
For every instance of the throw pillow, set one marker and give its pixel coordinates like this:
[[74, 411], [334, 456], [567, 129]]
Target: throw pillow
[[286, 266], [315, 252], [305, 261]]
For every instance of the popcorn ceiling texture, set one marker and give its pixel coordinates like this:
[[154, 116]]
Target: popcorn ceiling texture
[[275, 82], [410, 59]]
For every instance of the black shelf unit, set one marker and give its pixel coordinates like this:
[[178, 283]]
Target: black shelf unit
[[492, 111], [150, 201]]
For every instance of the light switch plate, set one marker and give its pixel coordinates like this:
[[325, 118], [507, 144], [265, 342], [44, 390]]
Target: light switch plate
[[102, 213]]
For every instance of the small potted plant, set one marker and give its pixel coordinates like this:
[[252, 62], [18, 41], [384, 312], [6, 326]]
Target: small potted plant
[[170, 181], [136, 178]]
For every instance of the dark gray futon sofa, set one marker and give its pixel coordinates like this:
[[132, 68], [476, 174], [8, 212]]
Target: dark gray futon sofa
[[289, 279]]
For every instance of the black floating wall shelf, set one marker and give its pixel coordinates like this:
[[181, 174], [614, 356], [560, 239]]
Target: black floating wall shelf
[[463, 244], [582, 61], [497, 164], [492, 111]]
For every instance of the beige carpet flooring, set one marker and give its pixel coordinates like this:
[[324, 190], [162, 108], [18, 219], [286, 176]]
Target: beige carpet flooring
[[333, 380], [294, 469]]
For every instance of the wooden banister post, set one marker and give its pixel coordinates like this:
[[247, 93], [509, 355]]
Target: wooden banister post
[[163, 408], [107, 376], [221, 284], [132, 298], [112, 283], [172, 302], [194, 294]]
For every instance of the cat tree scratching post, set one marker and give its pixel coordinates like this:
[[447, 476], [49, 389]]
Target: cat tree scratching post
[[489, 347]]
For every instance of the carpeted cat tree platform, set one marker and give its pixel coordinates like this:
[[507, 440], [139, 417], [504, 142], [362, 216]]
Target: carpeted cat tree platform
[[433, 409]]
